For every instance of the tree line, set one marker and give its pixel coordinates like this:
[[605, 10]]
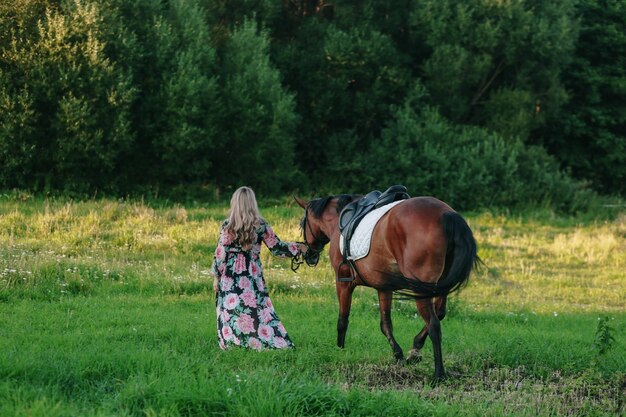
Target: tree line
[[480, 103]]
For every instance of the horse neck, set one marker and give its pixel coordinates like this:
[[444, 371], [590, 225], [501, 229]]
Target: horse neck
[[329, 223]]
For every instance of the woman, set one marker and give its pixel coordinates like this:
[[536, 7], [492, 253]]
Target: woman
[[245, 314]]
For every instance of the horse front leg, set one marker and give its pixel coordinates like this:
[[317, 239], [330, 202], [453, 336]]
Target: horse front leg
[[344, 295], [384, 299]]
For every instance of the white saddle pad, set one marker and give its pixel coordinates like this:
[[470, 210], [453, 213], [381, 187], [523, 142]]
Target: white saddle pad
[[362, 237]]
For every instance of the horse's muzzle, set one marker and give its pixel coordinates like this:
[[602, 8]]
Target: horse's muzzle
[[311, 257]]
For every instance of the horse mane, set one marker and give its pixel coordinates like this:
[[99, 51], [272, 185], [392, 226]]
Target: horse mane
[[318, 205]]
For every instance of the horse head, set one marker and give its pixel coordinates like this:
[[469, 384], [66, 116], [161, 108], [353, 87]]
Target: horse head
[[312, 231]]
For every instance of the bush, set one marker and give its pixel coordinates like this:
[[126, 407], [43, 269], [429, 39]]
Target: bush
[[466, 166]]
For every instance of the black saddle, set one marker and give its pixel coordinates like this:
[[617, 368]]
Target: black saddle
[[353, 213]]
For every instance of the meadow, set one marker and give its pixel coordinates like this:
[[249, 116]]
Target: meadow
[[106, 309]]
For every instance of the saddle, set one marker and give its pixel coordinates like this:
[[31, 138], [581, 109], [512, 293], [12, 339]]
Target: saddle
[[354, 212]]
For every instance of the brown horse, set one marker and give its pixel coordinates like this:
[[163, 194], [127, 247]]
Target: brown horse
[[421, 248]]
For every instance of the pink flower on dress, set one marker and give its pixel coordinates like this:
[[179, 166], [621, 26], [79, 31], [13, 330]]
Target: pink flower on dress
[[240, 264], [221, 269], [265, 315], [220, 253], [225, 238], [244, 283], [268, 302], [227, 332], [231, 301], [225, 316], [255, 343], [270, 238], [254, 269], [265, 332], [249, 298], [236, 340], [245, 324], [260, 284], [280, 343], [282, 329], [226, 283], [293, 248]]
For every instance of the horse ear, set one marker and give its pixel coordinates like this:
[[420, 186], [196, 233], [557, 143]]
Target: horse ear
[[301, 202]]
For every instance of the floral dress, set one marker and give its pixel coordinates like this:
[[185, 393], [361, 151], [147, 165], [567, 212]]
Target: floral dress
[[245, 314]]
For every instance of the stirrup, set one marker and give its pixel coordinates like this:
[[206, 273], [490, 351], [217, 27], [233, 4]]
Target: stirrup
[[350, 277]]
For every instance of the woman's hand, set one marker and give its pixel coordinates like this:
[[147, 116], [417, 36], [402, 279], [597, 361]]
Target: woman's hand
[[215, 283]]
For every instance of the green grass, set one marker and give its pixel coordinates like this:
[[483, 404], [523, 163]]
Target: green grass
[[106, 310]]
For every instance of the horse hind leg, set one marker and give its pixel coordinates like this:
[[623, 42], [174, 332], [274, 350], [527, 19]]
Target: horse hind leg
[[415, 355], [385, 299], [434, 332]]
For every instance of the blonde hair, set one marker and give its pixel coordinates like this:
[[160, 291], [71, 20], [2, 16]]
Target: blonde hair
[[244, 218]]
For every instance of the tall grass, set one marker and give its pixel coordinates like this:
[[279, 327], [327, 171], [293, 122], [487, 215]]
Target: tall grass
[[107, 309]]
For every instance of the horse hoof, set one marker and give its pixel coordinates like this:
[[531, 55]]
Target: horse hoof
[[438, 380], [414, 356]]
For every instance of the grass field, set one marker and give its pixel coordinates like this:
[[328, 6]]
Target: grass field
[[106, 310]]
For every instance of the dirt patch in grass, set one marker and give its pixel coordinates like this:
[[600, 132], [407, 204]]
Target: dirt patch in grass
[[512, 390]]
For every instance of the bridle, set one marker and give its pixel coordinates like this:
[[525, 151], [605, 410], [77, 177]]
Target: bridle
[[312, 255]]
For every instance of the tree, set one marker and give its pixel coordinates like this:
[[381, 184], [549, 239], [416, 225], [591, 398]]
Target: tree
[[346, 81], [590, 136], [495, 64], [186, 135], [76, 99], [467, 166], [258, 119]]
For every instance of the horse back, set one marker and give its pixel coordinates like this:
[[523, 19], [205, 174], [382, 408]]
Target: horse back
[[418, 216]]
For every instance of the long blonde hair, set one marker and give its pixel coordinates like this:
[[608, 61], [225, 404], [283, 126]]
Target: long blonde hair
[[244, 218]]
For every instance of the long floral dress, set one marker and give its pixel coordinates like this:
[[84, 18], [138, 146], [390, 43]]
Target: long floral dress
[[245, 314]]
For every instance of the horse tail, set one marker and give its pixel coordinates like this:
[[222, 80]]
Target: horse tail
[[461, 259], [461, 254]]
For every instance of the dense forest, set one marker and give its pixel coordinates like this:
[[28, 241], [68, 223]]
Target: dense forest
[[482, 103]]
